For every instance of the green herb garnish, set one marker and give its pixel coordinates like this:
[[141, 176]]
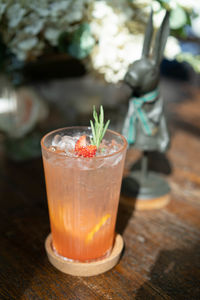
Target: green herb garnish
[[98, 128]]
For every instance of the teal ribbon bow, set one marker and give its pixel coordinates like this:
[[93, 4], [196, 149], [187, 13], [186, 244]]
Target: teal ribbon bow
[[136, 112]]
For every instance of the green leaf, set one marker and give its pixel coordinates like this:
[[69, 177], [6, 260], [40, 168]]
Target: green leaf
[[101, 115], [98, 128], [93, 140], [95, 115], [105, 128]]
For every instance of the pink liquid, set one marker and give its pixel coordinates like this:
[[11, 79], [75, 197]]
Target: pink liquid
[[83, 196]]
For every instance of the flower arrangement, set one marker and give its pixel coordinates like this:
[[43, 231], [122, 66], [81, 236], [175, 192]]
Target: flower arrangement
[[105, 35]]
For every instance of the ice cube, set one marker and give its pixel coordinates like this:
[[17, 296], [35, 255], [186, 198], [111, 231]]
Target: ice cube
[[61, 145], [69, 142], [70, 153], [56, 140], [65, 142]]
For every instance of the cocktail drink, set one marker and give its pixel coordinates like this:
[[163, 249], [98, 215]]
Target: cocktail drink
[[83, 192]]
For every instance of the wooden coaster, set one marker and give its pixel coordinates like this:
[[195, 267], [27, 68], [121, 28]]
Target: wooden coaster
[[146, 204], [145, 193], [85, 269], [155, 203]]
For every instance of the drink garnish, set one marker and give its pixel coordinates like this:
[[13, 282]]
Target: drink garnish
[[98, 127], [82, 149], [98, 131], [96, 228], [87, 151], [80, 143]]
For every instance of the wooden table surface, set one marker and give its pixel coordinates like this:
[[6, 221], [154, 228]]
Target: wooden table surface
[[161, 259]]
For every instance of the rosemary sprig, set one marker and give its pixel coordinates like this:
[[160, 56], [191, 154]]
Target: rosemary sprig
[[98, 128]]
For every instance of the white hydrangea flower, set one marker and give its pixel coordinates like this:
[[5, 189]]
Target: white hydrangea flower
[[189, 4], [172, 4], [2, 8], [76, 11], [116, 47], [112, 59], [172, 48], [24, 45], [101, 10], [57, 8], [142, 2], [28, 44], [42, 11], [117, 26], [27, 19], [15, 14], [34, 24], [52, 34], [196, 23]]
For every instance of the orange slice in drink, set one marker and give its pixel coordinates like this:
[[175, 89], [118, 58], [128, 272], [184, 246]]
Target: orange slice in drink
[[97, 227]]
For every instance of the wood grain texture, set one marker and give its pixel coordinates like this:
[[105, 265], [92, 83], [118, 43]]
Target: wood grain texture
[[161, 259]]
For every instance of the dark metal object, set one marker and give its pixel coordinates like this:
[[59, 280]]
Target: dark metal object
[[144, 184], [143, 78]]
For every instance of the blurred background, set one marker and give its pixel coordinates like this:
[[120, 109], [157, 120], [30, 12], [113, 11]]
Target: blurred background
[[59, 58]]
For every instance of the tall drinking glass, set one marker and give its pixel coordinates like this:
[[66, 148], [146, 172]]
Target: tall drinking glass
[[83, 196]]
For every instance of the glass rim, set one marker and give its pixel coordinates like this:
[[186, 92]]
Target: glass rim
[[122, 148]]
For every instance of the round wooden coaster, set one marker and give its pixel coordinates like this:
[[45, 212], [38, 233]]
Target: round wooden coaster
[[85, 269], [155, 203], [145, 204]]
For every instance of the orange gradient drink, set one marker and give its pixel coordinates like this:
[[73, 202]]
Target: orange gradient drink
[[83, 193]]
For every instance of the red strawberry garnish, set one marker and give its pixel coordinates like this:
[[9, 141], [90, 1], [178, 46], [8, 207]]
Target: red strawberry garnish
[[80, 143], [82, 149], [88, 151]]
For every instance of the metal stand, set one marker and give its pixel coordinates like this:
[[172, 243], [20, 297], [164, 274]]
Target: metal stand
[[145, 185]]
